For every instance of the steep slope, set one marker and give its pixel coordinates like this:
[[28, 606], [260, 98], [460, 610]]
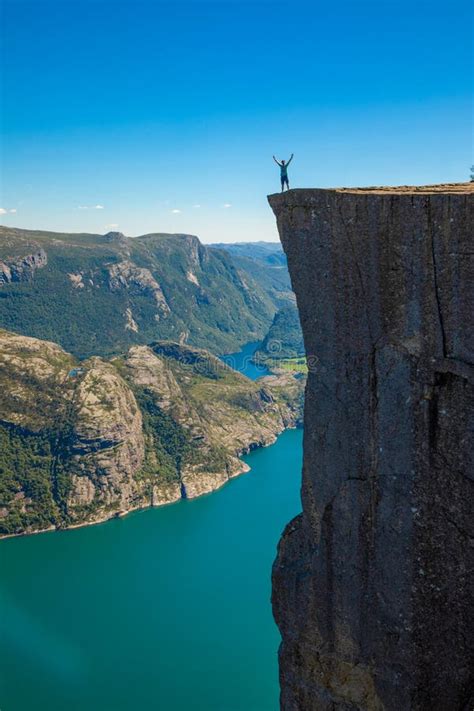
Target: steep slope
[[99, 294], [284, 338], [269, 253], [265, 263], [372, 587], [80, 443]]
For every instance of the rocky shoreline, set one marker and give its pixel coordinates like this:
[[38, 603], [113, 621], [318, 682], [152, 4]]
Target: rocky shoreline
[[84, 443], [175, 494]]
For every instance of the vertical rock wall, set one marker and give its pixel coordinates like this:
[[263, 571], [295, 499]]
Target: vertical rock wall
[[372, 586]]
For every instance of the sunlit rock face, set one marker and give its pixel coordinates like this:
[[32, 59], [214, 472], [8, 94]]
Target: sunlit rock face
[[83, 442], [372, 586]]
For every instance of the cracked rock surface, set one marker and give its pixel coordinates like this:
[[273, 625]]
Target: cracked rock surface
[[372, 586]]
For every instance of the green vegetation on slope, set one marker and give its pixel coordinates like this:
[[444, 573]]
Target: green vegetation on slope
[[269, 253], [294, 365], [26, 492], [284, 339], [265, 263], [167, 444], [100, 294]]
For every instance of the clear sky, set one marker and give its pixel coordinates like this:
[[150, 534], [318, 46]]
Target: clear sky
[[163, 116]]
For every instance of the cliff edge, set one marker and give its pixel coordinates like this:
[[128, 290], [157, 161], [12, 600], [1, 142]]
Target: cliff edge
[[372, 586]]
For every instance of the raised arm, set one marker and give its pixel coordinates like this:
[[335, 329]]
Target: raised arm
[[277, 161], [290, 159]]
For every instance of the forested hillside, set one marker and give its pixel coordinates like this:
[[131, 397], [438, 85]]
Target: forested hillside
[[265, 262], [99, 294]]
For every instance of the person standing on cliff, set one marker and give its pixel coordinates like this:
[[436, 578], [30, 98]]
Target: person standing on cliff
[[284, 172]]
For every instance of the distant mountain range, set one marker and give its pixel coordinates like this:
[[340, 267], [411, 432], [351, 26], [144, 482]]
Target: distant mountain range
[[100, 294], [265, 262], [269, 253], [284, 338]]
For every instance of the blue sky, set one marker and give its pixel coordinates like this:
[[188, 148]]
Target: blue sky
[[151, 116]]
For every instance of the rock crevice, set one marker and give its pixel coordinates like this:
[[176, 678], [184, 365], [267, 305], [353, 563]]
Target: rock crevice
[[372, 586]]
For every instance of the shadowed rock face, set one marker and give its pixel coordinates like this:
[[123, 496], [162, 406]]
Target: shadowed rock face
[[22, 268], [372, 586]]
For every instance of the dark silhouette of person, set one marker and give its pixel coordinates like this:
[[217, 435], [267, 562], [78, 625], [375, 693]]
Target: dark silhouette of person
[[284, 172]]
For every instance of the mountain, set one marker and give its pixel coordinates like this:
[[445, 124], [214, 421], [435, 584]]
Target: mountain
[[284, 338], [83, 441], [265, 263], [100, 294], [268, 253]]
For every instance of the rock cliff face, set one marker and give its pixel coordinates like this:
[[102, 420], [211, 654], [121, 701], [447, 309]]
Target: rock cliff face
[[222, 413], [125, 275], [22, 268], [83, 442], [107, 442], [372, 586]]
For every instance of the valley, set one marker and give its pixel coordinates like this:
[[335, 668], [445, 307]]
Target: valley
[[100, 294]]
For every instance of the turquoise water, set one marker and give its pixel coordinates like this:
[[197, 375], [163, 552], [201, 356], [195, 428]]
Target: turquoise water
[[242, 362], [165, 609]]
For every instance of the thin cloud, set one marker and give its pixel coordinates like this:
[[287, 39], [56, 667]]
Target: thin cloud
[[12, 210], [98, 207], [91, 207], [2, 211], [227, 205], [196, 206], [176, 211], [112, 224]]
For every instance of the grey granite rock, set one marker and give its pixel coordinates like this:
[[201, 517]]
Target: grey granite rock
[[126, 275], [373, 583], [22, 268]]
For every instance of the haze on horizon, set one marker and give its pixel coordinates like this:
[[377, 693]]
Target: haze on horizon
[[163, 117]]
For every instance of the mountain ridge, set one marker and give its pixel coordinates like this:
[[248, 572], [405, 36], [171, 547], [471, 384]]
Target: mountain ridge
[[99, 294]]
